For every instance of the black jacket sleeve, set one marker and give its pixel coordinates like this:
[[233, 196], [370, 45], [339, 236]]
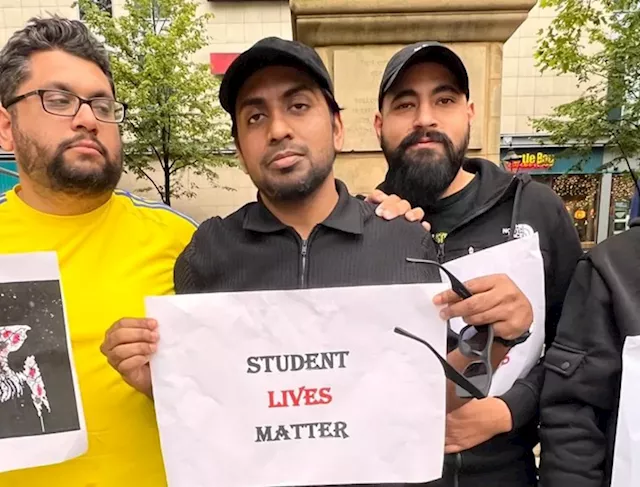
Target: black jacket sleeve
[[197, 268], [183, 278], [561, 250], [581, 386], [523, 397]]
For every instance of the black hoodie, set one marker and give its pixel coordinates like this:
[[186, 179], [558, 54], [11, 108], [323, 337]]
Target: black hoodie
[[581, 394], [509, 205]]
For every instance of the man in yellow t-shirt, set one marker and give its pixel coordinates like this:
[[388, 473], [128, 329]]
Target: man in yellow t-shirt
[[61, 119]]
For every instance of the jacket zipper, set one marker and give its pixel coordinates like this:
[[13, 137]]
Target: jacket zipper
[[440, 254], [304, 251], [303, 254]]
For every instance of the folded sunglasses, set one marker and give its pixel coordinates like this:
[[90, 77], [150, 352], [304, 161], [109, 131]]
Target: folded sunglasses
[[472, 341]]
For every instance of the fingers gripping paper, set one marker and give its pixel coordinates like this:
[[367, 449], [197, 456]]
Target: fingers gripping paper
[[297, 388], [41, 418], [521, 260], [626, 458]]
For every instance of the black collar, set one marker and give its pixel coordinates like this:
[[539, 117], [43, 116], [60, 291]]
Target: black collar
[[348, 215]]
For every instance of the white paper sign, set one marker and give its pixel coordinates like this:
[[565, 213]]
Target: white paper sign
[[363, 404], [626, 457], [521, 260], [41, 416]]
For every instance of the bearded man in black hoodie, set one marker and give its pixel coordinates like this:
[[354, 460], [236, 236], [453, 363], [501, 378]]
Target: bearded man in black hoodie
[[423, 125]]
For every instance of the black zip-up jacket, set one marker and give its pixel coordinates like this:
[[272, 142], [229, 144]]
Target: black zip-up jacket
[[581, 393], [510, 205], [252, 250]]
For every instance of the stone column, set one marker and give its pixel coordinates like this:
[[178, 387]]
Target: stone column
[[356, 38]]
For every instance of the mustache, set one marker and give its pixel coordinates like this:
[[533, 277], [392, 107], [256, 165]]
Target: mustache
[[414, 138], [80, 137], [270, 154]]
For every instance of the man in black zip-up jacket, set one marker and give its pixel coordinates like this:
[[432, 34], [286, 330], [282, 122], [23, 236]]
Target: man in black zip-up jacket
[[581, 393], [305, 230], [472, 204]]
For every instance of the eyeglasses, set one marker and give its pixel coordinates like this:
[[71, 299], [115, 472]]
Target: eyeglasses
[[472, 341], [65, 104]]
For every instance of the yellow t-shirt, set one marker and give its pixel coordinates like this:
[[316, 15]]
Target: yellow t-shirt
[[110, 259]]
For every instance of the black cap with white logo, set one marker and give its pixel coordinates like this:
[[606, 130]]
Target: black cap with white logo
[[271, 51], [423, 52]]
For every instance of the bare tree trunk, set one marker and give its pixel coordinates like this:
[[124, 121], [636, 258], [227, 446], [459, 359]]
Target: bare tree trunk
[[167, 185]]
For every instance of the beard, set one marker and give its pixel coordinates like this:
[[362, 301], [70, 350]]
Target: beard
[[286, 187], [421, 176], [56, 173]]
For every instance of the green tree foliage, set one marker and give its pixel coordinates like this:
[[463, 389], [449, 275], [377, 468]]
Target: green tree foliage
[[599, 43], [174, 122]]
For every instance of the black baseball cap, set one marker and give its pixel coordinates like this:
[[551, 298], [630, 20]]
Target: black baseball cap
[[271, 51], [423, 52]]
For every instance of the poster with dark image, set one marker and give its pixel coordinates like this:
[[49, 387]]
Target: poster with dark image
[[37, 393]]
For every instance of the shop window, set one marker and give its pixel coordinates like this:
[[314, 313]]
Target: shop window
[[580, 194], [622, 189]]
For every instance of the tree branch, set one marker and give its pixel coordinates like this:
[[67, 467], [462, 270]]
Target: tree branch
[[165, 149], [133, 125], [168, 127], [626, 159], [174, 161], [634, 94], [155, 151], [635, 124], [164, 22], [152, 181]]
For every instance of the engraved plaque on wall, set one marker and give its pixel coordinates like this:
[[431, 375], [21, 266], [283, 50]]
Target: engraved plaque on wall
[[357, 73]]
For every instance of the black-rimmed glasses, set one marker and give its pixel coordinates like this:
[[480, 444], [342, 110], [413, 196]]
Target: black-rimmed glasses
[[472, 341], [65, 104]]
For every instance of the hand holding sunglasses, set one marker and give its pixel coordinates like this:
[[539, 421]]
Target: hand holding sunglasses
[[474, 342], [497, 300]]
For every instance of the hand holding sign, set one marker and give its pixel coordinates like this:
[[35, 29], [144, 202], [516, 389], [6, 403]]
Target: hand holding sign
[[128, 346], [309, 387]]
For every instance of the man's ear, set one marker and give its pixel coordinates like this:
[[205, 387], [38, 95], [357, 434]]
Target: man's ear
[[471, 111], [6, 134], [377, 125], [338, 132]]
